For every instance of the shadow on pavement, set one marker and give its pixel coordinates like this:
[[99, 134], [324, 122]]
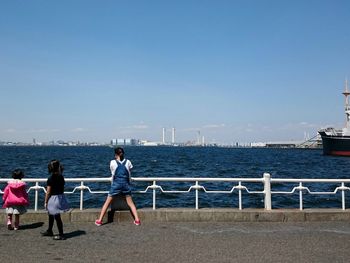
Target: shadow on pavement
[[31, 226], [75, 233], [118, 204]]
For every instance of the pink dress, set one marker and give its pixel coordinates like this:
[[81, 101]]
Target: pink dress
[[15, 197]]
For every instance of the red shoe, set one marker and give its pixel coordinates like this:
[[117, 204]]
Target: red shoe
[[137, 222], [98, 222]]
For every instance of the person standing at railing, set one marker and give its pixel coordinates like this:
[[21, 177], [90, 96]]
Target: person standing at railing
[[15, 199], [55, 200], [121, 171]]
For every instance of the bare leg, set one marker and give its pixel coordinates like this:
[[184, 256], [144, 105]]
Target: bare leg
[[105, 207], [132, 207], [9, 222], [16, 221], [9, 219]]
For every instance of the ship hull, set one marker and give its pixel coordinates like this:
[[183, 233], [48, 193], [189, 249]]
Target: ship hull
[[335, 145]]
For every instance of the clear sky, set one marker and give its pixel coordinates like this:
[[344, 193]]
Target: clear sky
[[238, 71]]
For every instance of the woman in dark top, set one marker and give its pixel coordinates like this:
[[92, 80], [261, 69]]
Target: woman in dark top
[[55, 200]]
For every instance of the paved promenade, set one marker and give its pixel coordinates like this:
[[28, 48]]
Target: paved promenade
[[178, 241], [181, 242]]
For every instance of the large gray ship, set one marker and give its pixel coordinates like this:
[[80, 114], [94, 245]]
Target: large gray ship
[[337, 141]]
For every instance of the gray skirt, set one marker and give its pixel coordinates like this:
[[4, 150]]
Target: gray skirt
[[57, 204]]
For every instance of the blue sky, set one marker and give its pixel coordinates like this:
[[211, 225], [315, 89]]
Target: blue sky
[[238, 71]]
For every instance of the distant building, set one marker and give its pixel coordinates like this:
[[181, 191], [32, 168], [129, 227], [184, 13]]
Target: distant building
[[120, 142], [125, 142], [147, 143], [258, 144], [283, 144]]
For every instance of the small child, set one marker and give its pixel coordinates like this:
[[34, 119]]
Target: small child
[[55, 200], [15, 198]]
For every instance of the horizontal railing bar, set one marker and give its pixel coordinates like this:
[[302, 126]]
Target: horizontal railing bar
[[33, 180], [146, 179], [106, 179], [188, 179], [194, 179], [282, 180]]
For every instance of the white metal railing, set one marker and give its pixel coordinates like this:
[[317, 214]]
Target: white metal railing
[[197, 187], [82, 187], [266, 181]]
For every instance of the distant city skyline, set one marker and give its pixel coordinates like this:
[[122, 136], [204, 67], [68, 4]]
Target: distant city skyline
[[237, 71]]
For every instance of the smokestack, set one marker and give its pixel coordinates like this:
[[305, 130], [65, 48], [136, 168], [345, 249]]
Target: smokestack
[[173, 136], [163, 140], [198, 137]]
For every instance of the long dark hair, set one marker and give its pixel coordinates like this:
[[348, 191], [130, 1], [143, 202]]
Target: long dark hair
[[55, 167], [120, 152]]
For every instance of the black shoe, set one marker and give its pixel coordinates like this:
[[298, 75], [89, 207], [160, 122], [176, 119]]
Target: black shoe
[[59, 237], [47, 233], [10, 227]]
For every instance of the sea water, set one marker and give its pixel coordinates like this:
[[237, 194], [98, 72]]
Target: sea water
[[89, 162]]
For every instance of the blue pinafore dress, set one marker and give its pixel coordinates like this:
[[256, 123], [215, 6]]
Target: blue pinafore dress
[[121, 180]]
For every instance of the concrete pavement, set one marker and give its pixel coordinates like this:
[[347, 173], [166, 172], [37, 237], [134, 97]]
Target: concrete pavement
[[184, 235], [181, 242]]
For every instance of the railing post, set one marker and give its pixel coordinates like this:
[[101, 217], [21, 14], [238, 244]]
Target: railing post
[[196, 195], [154, 195], [343, 196], [301, 196], [240, 195], [81, 195], [267, 190], [36, 196]]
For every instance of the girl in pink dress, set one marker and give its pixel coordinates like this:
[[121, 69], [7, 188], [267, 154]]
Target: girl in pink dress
[[15, 199]]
